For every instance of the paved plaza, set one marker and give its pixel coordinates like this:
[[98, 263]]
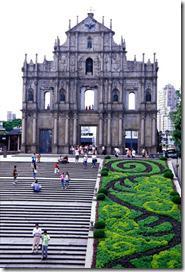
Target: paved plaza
[[64, 213]]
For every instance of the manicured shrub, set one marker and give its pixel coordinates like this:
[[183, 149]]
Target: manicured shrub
[[105, 169], [99, 233], [176, 199], [168, 174], [99, 224], [100, 197], [103, 191], [104, 173], [163, 158], [107, 157], [174, 193]]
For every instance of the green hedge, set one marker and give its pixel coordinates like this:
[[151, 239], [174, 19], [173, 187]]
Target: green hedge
[[104, 173], [100, 197], [99, 233], [100, 224], [107, 157], [103, 191]]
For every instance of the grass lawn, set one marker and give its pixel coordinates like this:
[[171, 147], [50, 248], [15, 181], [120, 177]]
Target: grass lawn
[[142, 223]]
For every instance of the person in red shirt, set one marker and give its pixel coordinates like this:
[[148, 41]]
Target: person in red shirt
[[56, 168]]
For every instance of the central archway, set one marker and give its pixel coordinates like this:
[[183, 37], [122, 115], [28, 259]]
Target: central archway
[[88, 135]]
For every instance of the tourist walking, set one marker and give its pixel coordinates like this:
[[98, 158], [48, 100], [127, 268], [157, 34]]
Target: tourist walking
[[34, 170], [37, 233], [94, 160], [56, 168], [33, 158], [66, 180], [45, 241], [85, 161], [133, 153], [15, 174], [143, 152], [62, 180], [38, 157], [77, 154]]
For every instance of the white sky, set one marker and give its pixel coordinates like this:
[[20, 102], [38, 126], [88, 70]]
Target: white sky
[[31, 26]]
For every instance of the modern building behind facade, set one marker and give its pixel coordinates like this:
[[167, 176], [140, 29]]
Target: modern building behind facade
[[10, 116], [167, 100], [123, 107]]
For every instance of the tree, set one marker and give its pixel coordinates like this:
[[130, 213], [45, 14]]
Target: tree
[[9, 125], [176, 118]]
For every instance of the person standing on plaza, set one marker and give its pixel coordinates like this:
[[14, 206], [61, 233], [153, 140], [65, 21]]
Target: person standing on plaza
[[35, 170], [56, 168], [66, 180], [85, 161], [15, 174], [77, 154], [133, 153], [62, 180], [45, 241], [33, 158], [94, 160], [38, 157], [37, 233]]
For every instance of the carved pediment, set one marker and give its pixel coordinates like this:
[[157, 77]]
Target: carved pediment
[[89, 24]]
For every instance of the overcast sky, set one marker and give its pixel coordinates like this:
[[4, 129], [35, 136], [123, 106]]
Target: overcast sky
[[31, 26]]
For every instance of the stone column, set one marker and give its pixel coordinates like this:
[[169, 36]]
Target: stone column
[[55, 131], [142, 131], [75, 129], [109, 130], [100, 129], [120, 131], [34, 131], [67, 92], [8, 143], [67, 130], [18, 141], [109, 92], [153, 131], [23, 131]]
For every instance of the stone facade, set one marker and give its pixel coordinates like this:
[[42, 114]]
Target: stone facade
[[89, 60]]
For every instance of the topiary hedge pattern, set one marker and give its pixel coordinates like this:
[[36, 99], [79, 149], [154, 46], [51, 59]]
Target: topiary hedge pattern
[[140, 215]]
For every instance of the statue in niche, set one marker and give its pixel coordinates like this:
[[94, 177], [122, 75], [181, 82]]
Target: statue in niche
[[63, 63], [106, 63], [30, 94]]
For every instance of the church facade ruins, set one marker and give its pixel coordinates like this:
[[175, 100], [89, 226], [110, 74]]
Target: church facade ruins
[[89, 84]]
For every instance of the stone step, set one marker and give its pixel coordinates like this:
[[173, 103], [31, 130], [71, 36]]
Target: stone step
[[64, 213], [45, 265]]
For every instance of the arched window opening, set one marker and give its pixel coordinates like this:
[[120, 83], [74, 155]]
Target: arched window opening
[[89, 100], [131, 101], [30, 94], [47, 100], [89, 42], [89, 66], [148, 97], [115, 95], [62, 96]]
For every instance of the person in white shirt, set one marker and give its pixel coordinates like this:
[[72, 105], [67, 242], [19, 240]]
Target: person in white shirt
[[133, 153], [94, 160], [37, 234]]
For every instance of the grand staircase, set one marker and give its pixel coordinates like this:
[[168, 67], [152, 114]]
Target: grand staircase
[[64, 213]]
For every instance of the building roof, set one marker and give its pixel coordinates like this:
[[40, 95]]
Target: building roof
[[14, 131]]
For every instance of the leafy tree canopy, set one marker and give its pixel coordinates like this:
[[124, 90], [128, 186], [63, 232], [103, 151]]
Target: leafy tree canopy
[[176, 118], [9, 125]]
